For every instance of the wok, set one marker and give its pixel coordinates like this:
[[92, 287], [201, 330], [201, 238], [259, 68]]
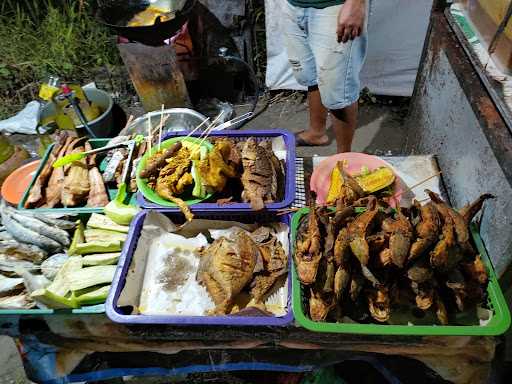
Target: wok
[[115, 14]]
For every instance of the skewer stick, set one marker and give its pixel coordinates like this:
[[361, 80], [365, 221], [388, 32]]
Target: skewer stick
[[128, 122], [196, 128], [210, 128], [285, 211], [160, 127], [155, 131], [418, 184], [212, 125], [150, 135]]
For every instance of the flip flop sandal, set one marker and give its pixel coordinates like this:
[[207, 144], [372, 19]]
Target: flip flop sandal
[[303, 143]]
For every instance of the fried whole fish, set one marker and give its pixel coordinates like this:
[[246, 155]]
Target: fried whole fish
[[400, 237], [308, 251], [341, 281], [446, 254], [359, 230], [379, 304], [275, 265], [318, 307], [460, 220], [258, 176], [278, 187], [225, 268], [427, 229], [476, 270]]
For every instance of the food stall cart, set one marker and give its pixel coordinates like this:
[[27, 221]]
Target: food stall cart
[[89, 347]]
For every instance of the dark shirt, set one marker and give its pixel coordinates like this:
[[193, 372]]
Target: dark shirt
[[315, 3]]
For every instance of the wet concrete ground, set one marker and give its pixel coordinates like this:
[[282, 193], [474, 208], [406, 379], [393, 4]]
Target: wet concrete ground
[[381, 129], [381, 125]]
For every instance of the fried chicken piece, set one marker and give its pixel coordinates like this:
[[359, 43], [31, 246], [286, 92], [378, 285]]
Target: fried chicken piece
[[214, 170]]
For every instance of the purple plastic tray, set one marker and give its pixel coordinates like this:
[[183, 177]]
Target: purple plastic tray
[[118, 315], [289, 193]]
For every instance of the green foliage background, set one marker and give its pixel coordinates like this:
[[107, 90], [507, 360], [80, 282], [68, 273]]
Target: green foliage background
[[48, 37]]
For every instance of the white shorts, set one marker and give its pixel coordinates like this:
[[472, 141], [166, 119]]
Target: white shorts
[[318, 59]]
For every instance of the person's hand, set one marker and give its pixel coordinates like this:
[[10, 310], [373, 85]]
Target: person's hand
[[351, 20]]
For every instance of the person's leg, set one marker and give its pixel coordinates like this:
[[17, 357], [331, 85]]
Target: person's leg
[[302, 61], [316, 134], [338, 68], [344, 123]]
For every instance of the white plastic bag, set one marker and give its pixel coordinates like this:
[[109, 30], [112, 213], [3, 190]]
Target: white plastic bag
[[24, 122]]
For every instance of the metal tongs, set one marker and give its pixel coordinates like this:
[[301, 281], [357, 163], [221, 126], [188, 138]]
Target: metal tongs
[[72, 157], [237, 120]]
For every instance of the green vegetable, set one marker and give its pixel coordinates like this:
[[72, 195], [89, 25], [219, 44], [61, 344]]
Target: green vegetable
[[98, 247], [101, 259], [78, 238], [94, 234], [199, 190], [364, 171], [54, 301], [90, 276], [93, 295], [61, 284], [103, 222], [118, 211]]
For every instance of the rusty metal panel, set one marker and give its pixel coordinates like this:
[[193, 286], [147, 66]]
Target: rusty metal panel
[[453, 117]]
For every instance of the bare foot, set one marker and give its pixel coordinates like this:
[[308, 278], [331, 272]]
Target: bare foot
[[309, 138]]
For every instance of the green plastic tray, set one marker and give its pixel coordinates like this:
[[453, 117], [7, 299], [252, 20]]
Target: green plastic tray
[[148, 192], [499, 323], [90, 309], [95, 143]]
